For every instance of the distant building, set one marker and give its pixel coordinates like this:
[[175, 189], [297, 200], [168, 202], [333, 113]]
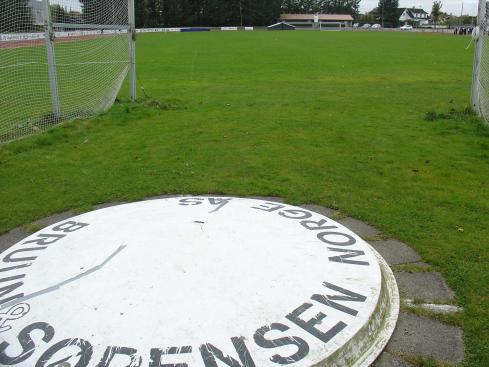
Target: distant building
[[318, 21], [413, 16], [281, 26], [36, 10]]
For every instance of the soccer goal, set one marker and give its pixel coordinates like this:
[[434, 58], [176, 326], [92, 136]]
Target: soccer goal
[[61, 60], [480, 76], [331, 26]]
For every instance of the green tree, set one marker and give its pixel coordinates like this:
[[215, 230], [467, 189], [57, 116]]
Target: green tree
[[340, 7], [102, 12], [260, 12], [59, 14], [141, 13], [436, 11], [322, 6], [302, 6], [387, 13], [177, 13], [16, 16], [367, 18]]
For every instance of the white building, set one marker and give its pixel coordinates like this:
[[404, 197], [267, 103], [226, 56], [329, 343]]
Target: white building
[[414, 16], [36, 9], [318, 20]]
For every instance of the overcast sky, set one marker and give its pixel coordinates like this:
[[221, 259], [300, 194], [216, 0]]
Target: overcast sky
[[68, 4], [449, 6]]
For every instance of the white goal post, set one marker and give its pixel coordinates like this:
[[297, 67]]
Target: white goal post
[[480, 74], [61, 60], [331, 26]]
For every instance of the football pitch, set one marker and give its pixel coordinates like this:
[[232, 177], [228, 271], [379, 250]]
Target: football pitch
[[373, 124]]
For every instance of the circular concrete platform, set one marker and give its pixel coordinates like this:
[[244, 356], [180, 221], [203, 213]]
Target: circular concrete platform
[[204, 281]]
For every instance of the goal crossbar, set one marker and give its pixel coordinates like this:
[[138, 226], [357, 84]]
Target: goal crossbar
[[90, 26]]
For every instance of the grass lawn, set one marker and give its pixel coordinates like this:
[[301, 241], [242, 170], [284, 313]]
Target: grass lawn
[[333, 118]]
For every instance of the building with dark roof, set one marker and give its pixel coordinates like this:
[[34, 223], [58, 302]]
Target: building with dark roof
[[281, 26], [415, 16]]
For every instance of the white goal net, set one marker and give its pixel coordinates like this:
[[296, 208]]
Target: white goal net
[[480, 79], [61, 60]]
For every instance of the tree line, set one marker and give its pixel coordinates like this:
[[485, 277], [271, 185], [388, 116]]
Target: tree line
[[15, 16], [171, 13]]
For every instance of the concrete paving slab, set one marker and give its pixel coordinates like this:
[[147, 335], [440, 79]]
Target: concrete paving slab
[[45, 222], [319, 209], [426, 286], [108, 205], [166, 196], [395, 252], [422, 336], [10, 238], [273, 199], [388, 360], [360, 228]]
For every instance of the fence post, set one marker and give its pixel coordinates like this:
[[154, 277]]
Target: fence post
[[480, 33], [132, 49], [51, 58]]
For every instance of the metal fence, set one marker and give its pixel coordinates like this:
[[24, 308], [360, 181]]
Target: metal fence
[[61, 60], [480, 75]]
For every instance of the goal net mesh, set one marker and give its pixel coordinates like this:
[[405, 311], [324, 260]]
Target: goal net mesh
[[480, 87], [59, 60]]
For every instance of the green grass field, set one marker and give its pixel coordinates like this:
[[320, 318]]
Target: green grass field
[[333, 118]]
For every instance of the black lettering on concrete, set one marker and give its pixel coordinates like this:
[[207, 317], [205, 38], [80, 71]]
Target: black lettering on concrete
[[350, 240], [219, 202], [10, 258], [111, 352], [84, 355], [348, 296], [301, 344], [269, 207], [210, 353], [26, 343], [348, 254], [295, 214], [156, 354], [191, 201], [310, 325], [46, 239], [317, 225], [9, 289], [15, 267], [69, 227], [9, 279]]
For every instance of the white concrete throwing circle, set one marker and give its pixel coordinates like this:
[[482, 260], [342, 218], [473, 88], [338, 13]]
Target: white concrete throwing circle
[[201, 281]]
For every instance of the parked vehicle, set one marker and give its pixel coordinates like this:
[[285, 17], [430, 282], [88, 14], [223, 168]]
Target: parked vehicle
[[356, 25], [407, 27], [366, 26], [376, 26]]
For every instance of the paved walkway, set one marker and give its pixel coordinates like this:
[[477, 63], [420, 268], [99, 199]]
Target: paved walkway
[[417, 339]]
